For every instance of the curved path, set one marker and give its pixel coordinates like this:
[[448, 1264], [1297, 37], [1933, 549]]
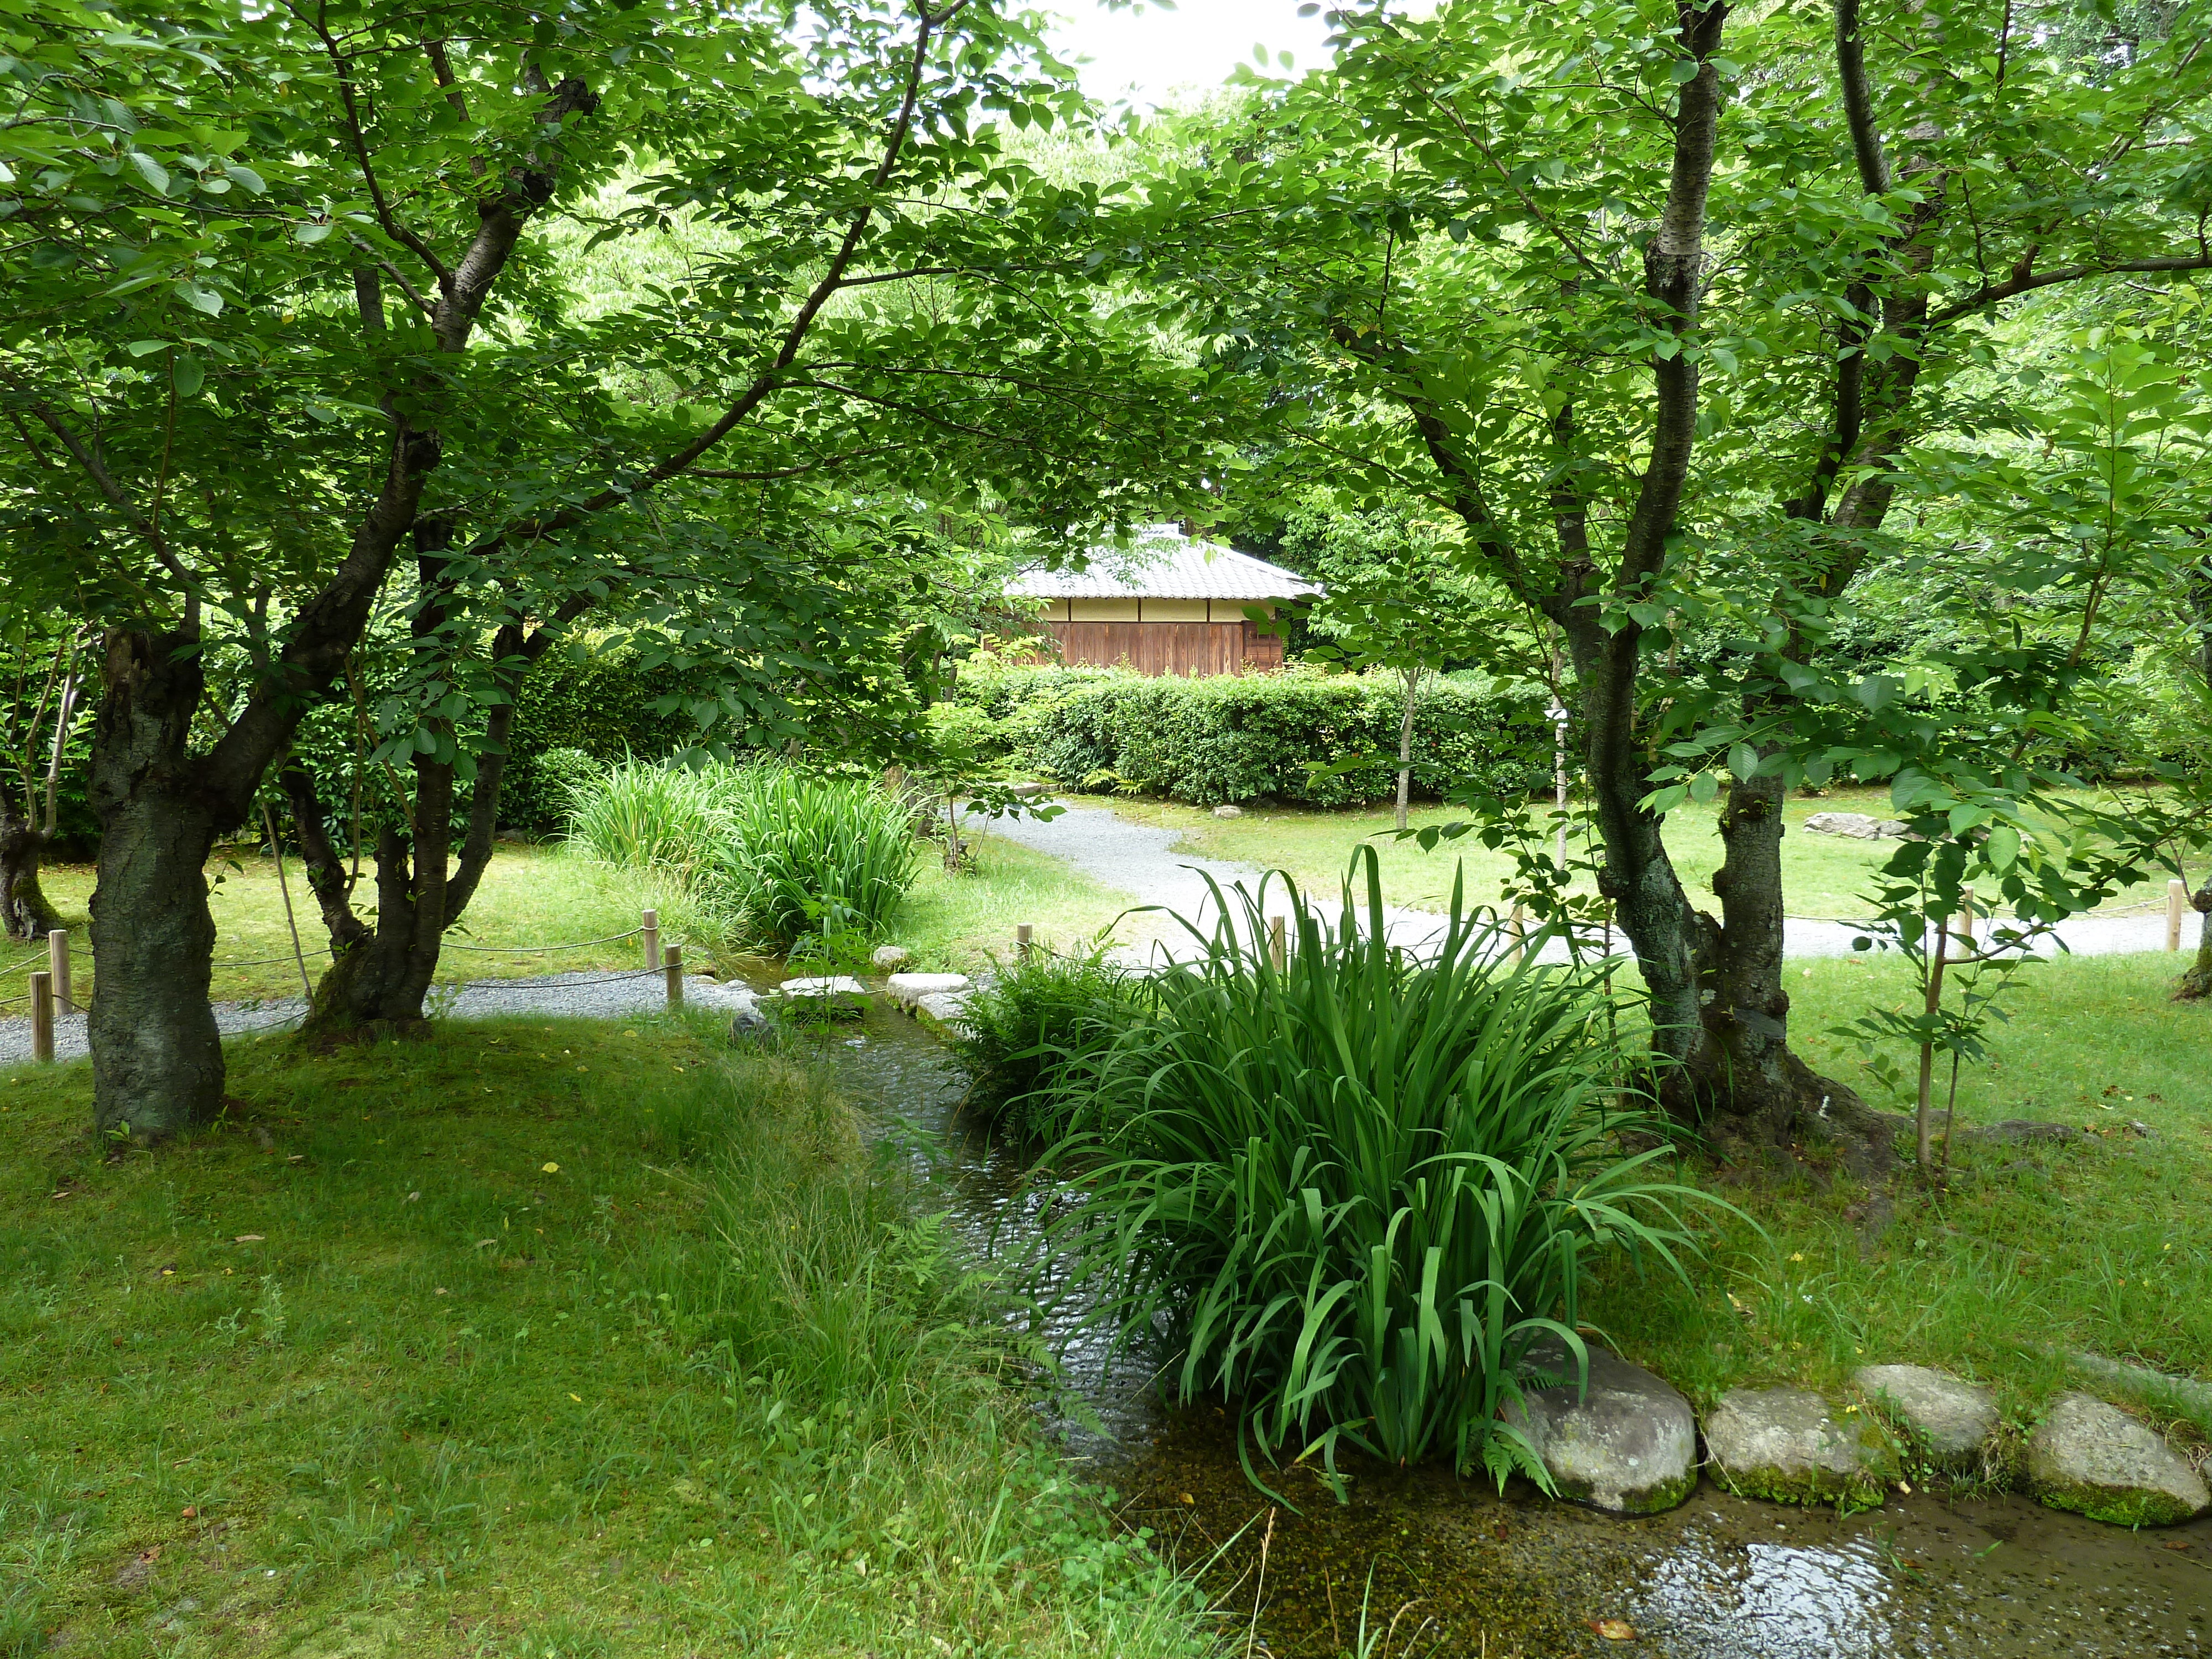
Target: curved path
[[1141, 860]]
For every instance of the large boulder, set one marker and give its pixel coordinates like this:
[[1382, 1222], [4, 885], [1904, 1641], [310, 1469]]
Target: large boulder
[[1952, 1420], [908, 990], [1787, 1445], [2097, 1461], [1629, 1445]]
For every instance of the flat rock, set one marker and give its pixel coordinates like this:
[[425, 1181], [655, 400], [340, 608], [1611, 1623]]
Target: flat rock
[[2097, 1461], [1628, 1446], [745, 1015], [1859, 826], [889, 958], [945, 1008], [908, 990], [823, 987], [1787, 1445], [1951, 1419], [1229, 811]]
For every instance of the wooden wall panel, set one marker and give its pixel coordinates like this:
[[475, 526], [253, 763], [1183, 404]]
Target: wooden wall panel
[[1178, 647]]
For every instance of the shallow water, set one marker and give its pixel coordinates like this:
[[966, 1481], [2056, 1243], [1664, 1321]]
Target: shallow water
[[1461, 1570]]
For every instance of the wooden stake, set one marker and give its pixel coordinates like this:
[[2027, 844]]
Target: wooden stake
[[1279, 941], [58, 964], [2176, 900], [651, 930], [42, 1016], [1966, 917], [1519, 933], [672, 964], [1025, 938]]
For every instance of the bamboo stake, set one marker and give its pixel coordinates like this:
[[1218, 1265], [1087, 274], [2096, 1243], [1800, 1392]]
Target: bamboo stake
[[276, 850], [1025, 939], [1966, 917], [1279, 942], [1519, 928], [58, 958], [2177, 900], [42, 1016], [672, 964]]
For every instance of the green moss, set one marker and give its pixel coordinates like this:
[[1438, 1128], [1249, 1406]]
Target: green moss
[[2133, 1509]]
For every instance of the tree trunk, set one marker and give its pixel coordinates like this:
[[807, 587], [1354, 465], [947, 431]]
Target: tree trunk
[[2196, 983], [24, 909], [1406, 744], [157, 1060]]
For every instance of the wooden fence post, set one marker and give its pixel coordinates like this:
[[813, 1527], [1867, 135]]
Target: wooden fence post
[[1966, 916], [57, 963], [672, 963], [1279, 941], [651, 930], [42, 1016], [1025, 938], [2177, 900]]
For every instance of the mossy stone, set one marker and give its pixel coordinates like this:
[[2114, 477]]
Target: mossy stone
[[1789, 1446]]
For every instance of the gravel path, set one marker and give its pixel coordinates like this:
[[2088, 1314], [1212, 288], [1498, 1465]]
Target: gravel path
[[1141, 860], [584, 995]]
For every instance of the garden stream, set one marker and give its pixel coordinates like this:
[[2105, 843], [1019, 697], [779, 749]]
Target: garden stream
[[1444, 1566]]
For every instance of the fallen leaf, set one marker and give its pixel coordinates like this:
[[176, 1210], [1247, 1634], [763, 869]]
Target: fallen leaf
[[247, 1238], [578, 1398], [2176, 1543], [411, 1197], [550, 1169], [485, 1243], [192, 1514], [1614, 1630]]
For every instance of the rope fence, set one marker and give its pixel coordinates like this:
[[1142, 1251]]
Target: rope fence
[[24, 966], [49, 988]]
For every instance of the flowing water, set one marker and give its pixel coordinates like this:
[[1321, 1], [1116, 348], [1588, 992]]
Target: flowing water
[[1442, 1567]]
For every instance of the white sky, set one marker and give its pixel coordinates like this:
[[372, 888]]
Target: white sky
[[1149, 55]]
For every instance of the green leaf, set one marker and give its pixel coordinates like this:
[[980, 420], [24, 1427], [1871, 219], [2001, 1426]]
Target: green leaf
[[1704, 787], [1743, 761], [190, 375], [155, 175], [2003, 847]]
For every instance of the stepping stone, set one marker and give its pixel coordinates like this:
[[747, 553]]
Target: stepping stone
[[946, 1009], [889, 958], [825, 989], [1785, 1444], [746, 1011], [2097, 1461], [1857, 825], [1629, 1446], [1954, 1420], [908, 990]]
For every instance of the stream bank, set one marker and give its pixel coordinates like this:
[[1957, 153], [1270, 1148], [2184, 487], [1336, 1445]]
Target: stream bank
[[1466, 1570]]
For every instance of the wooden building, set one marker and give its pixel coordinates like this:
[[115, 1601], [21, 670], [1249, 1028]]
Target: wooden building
[[1172, 604]]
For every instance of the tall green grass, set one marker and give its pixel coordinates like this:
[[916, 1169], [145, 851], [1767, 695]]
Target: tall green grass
[[778, 855], [811, 855], [1354, 1192], [1027, 1035], [653, 816]]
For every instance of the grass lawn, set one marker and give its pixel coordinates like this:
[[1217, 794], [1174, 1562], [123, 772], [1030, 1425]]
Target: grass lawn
[[531, 1339], [544, 895], [2096, 1244], [952, 921], [1823, 875]]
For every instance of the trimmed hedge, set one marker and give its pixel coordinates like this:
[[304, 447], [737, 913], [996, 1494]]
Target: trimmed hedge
[[1249, 737], [601, 706]]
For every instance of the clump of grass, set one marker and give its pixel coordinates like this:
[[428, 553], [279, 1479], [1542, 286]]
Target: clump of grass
[[653, 817], [811, 855], [780, 855], [1029, 1032], [1355, 1191]]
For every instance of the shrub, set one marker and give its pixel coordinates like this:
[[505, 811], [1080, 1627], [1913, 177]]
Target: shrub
[[1355, 1191], [1230, 739], [600, 706], [813, 856], [1027, 1036]]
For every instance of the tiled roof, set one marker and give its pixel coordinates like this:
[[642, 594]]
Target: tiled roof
[[1164, 563]]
